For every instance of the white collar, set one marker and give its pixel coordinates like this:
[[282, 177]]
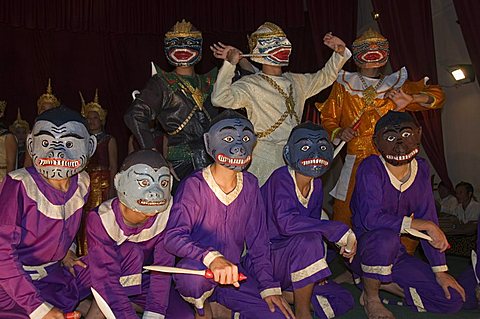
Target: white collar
[[109, 222], [303, 200], [352, 83], [226, 199], [402, 186]]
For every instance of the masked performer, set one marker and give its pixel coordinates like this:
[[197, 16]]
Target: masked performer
[[293, 197], [41, 212], [179, 100], [8, 146], [20, 128], [274, 101], [129, 225], [45, 102], [356, 103], [216, 210], [102, 166], [392, 195]]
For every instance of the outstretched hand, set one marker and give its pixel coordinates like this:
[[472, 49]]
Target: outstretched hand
[[281, 303], [334, 43], [226, 52], [400, 98]]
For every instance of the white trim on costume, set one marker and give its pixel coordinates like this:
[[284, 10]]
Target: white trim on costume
[[326, 306], [417, 300], [41, 311], [310, 270], [131, 280], [303, 200], [441, 268], [402, 186], [378, 270], [198, 302], [271, 292], [226, 199]]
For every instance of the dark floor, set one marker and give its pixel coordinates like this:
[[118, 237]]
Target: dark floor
[[456, 264]]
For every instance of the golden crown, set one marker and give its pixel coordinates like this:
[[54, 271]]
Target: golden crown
[[48, 97], [183, 29], [19, 123], [369, 36], [266, 30], [93, 106], [3, 105]]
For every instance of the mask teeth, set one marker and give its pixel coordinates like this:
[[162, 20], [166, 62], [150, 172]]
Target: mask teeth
[[403, 157], [233, 161], [314, 161]]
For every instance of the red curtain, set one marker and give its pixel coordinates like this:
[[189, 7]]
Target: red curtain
[[468, 13], [408, 27], [108, 44]]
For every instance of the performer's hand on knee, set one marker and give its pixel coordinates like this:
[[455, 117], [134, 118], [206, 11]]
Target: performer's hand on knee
[[224, 272], [71, 260], [55, 313], [445, 280], [281, 303]]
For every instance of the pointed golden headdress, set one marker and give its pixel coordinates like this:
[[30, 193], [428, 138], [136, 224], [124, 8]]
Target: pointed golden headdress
[[93, 106], [183, 29], [48, 97], [20, 123], [266, 30]]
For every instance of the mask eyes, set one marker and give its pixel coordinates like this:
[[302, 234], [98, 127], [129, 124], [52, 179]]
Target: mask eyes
[[164, 183], [69, 144], [406, 134], [228, 139], [143, 182], [44, 143], [323, 148], [305, 148], [246, 138], [390, 138]]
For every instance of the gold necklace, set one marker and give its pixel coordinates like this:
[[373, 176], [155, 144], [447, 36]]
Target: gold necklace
[[370, 92], [195, 93], [289, 102]]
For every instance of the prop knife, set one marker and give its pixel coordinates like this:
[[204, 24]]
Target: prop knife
[[72, 315], [342, 144], [175, 270], [474, 263], [103, 305]]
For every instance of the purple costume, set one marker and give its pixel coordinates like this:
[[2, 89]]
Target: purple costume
[[38, 224], [294, 226], [117, 252], [206, 223], [382, 206]]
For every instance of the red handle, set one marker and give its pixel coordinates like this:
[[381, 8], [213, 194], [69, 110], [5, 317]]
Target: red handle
[[209, 275], [72, 315], [355, 127]]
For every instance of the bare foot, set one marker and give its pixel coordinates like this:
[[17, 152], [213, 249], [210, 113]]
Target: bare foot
[[375, 309]]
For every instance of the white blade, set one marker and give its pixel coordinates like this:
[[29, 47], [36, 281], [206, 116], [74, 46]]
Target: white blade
[[153, 68], [418, 234], [338, 149], [102, 304], [474, 263], [258, 55], [175, 270]]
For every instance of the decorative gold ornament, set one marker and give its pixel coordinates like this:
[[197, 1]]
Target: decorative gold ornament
[[3, 105], [47, 97], [369, 36], [266, 30], [19, 123], [183, 29], [369, 93], [93, 106]]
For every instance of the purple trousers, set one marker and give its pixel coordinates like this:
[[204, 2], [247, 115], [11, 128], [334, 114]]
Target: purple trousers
[[244, 302], [468, 281], [300, 261], [381, 256]]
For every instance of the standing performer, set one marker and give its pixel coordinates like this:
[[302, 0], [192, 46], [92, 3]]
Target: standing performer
[[274, 101], [392, 195], [356, 103], [293, 197], [8, 146], [102, 166], [126, 233], [216, 211], [40, 214], [179, 101]]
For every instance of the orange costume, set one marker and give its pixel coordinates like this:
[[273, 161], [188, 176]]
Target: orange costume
[[360, 99]]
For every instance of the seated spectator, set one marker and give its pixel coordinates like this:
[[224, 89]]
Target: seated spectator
[[448, 201], [468, 208]]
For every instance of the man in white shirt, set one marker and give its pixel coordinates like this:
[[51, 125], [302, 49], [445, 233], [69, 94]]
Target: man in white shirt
[[468, 209]]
